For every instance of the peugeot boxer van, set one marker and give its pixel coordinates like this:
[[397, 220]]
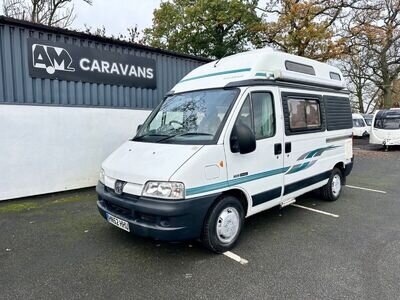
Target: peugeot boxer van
[[233, 138]]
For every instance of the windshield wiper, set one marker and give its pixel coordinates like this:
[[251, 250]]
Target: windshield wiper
[[151, 134], [185, 134]]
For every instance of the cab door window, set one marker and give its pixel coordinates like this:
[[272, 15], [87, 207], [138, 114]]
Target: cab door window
[[264, 116], [258, 114]]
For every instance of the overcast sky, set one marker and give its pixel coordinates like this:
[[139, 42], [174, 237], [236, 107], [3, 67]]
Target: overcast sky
[[115, 15]]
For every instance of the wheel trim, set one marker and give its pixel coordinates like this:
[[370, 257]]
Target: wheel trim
[[228, 224], [336, 185]]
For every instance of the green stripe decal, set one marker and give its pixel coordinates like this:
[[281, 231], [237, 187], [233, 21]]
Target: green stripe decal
[[217, 74], [293, 169], [235, 181], [298, 168]]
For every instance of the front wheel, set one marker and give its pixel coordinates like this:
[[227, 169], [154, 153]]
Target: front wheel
[[332, 190], [223, 225]]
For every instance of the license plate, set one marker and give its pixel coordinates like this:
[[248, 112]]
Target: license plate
[[118, 222]]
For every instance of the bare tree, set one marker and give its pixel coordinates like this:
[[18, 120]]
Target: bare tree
[[377, 32], [135, 35], [357, 72], [58, 13], [99, 31]]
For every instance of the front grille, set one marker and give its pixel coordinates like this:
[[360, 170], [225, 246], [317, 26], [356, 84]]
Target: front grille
[[122, 196], [118, 209]]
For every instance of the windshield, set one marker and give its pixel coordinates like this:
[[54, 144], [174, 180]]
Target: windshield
[[368, 120], [190, 117], [387, 120], [358, 123]]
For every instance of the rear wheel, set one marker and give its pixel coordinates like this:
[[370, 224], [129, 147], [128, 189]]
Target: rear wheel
[[223, 225], [332, 190]]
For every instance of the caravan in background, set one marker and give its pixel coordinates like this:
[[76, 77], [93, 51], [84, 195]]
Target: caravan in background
[[386, 128], [360, 127]]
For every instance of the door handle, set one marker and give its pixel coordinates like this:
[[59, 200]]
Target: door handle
[[288, 147], [278, 149]]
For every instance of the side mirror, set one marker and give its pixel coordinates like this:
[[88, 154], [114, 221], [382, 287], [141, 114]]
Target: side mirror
[[242, 139], [139, 127]]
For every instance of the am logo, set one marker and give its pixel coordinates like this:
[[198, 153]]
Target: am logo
[[51, 58]]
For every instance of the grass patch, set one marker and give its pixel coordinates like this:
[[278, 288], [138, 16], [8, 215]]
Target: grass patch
[[23, 206], [72, 199], [18, 207]]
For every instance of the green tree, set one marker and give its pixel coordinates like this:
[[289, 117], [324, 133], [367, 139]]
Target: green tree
[[210, 28]]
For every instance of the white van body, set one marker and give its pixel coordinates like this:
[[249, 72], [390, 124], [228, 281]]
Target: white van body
[[360, 127], [199, 185], [385, 128]]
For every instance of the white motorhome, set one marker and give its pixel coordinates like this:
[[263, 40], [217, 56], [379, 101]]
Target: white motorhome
[[360, 127], [386, 128], [233, 138]]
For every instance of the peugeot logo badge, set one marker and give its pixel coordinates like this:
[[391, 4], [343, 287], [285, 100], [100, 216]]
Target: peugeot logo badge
[[119, 186]]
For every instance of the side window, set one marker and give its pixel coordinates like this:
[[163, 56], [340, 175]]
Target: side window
[[258, 114], [264, 117], [304, 114]]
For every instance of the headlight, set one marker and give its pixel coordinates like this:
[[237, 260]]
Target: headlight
[[102, 176], [164, 189]]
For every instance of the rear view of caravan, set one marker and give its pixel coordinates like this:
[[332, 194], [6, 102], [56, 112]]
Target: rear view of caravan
[[385, 128]]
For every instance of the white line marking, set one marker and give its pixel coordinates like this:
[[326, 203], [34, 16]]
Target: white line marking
[[316, 210], [236, 257], [365, 189]]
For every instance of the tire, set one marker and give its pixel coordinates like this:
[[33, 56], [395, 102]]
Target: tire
[[332, 190], [228, 212]]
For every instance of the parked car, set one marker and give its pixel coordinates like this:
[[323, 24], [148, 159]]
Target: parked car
[[386, 128], [360, 127], [233, 138]]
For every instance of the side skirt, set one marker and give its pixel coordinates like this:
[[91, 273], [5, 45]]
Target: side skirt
[[266, 196], [301, 184]]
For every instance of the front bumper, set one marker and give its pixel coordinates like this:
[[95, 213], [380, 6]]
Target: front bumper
[[169, 220]]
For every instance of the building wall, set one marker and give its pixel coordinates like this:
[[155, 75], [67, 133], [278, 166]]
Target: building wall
[[48, 149], [54, 134]]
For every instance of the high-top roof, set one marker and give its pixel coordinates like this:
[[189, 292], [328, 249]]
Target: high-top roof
[[264, 64]]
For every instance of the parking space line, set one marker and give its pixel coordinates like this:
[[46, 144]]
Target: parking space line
[[236, 257], [316, 210], [365, 189]]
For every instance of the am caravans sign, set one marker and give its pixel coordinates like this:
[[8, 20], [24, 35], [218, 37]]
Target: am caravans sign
[[61, 61]]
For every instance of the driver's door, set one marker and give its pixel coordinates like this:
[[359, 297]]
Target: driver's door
[[259, 173]]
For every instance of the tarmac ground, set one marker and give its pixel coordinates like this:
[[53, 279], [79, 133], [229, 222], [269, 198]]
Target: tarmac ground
[[58, 247]]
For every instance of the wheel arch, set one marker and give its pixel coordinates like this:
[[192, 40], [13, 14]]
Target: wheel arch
[[342, 167], [242, 196]]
